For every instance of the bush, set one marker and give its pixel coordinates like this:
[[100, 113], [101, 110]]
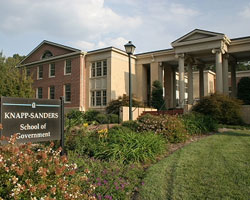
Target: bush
[[90, 115], [197, 123], [74, 118], [102, 118], [113, 118], [157, 96], [132, 125], [130, 147], [244, 90], [41, 174], [222, 108], [111, 179], [114, 105], [171, 127], [120, 144]]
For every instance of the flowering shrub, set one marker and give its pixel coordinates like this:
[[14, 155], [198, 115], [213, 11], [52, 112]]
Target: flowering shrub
[[111, 180], [41, 174], [171, 127]]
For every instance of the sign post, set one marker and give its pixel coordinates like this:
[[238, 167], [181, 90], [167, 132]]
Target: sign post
[[33, 120]]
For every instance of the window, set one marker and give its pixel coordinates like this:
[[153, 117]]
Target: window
[[39, 93], [104, 68], [40, 72], [99, 68], [104, 97], [47, 54], [52, 70], [99, 98], [52, 92], [67, 92], [93, 70], [67, 67]]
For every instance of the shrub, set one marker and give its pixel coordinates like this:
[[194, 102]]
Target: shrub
[[112, 180], [171, 127], [244, 90], [102, 118], [74, 118], [41, 174], [113, 118], [129, 147], [114, 105], [90, 115], [222, 108], [132, 125], [157, 96], [197, 123]]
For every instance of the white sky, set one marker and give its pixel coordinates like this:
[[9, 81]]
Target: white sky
[[92, 24]]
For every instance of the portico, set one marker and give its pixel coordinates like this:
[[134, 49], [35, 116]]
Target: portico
[[198, 50]]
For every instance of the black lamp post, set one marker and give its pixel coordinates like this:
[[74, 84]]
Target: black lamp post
[[130, 48]]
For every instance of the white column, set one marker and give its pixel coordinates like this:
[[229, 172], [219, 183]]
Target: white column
[[233, 80], [225, 74], [201, 81], [218, 58], [181, 80], [173, 87], [190, 84]]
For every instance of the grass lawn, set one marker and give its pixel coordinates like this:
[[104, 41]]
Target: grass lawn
[[217, 167]]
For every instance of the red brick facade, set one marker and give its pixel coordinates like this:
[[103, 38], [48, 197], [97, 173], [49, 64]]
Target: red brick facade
[[75, 79]]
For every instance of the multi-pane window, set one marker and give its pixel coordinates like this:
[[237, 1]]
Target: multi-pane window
[[40, 72], [67, 92], [52, 70], [39, 93], [93, 70], [52, 92], [99, 98], [99, 68], [67, 67]]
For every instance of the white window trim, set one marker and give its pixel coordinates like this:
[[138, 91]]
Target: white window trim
[[38, 78], [96, 77], [64, 93], [65, 62], [95, 106], [49, 71], [37, 92]]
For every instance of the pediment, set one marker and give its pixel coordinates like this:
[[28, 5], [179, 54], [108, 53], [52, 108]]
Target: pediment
[[197, 35], [47, 49]]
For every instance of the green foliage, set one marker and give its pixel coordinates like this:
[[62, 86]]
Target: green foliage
[[102, 118], [74, 118], [114, 105], [26, 173], [171, 127], [113, 118], [222, 108], [157, 96], [244, 90], [197, 123], [132, 125], [111, 179], [90, 115], [13, 81], [119, 144]]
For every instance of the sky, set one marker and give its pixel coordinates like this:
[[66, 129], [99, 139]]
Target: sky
[[92, 24]]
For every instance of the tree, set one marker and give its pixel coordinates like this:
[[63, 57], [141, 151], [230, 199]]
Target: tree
[[244, 90], [13, 81], [114, 105], [157, 96]]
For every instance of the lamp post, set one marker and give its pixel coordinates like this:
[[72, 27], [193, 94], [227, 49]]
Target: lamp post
[[130, 48]]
